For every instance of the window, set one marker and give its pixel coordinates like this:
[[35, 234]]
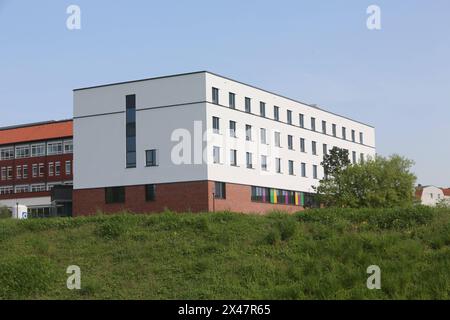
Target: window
[[313, 124], [361, 138], [232, 100], [68, 168], [325, 149], [315, 172], [324, 127], [130, 130], [41, 170], [302, 120], [22, 189], [233, 129], [353, 136], [314, 148], [7, 153], [334, 130], [3, 173], [290, 142], [215, 95], [150, 192], [51, 169], [68, 146], [289, 117], [264, 163], [216, 154], [57, 168], [233, 158], [354, 157], [9, 173], [303, 169], [248, 105], [219, 190], [262, 109], [248, 132], [278, 165], [38, 150], [260, 194], [291, 167], [54, 148], [19, 172], [115, 195], [216, 125], [34, 170], [151, 158], [276, 113], [249, 160], [37, 187], [22, 152], [25, 171], [277, 139], [6, 190], [302, 145], [344, 133], [263, 136]]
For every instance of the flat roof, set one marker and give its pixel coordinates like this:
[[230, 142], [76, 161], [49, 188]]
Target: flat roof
[[36, 131], [218, 75]]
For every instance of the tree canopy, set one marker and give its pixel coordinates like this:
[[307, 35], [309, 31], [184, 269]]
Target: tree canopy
[[378, 182]]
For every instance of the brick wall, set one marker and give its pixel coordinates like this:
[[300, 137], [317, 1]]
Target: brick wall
[[179, 197]]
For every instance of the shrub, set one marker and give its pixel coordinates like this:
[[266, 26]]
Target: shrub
[[5, 213]]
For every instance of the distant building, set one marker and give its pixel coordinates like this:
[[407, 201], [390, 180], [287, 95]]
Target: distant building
[[431, 195], [34, 158]]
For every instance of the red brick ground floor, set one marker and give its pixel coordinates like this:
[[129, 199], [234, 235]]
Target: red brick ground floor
[[194, 196]]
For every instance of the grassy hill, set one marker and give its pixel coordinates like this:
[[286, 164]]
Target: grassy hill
[[311, 255]]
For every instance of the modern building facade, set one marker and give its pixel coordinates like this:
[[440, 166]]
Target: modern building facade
[[202, 142], [34, 158]]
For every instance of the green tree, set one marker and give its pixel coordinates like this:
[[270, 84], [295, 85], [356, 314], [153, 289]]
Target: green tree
[[5, 213], [378, 182]]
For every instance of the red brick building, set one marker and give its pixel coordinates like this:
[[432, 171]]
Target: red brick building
[[34, 158]]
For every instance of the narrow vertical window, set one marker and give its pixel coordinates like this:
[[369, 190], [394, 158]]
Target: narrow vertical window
[[249, 160], [233, 158], [232, 100], [325, 149], [215, 95], [361, 138], [263, 136], [314, 148], [216, 125], [262, 109], [344, 133], [216, 155], [315, 172], [290, 142], [248, 105], [232, 128], [302, 145], [324, 127], [313, 124], [248, 132], [264, 163], [278, 165], [353, 136], [302, 120], [354, 157], [68, 168], [289, 117], [303, 169], [277, 139], [334, 130], [276, 113], [131, 131], [291, 167], [150, 192]]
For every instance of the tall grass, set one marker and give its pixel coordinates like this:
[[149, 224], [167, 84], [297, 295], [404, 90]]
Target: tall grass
[[316, 254]]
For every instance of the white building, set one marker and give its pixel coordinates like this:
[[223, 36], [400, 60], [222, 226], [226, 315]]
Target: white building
[[431, 195], [192, 135]]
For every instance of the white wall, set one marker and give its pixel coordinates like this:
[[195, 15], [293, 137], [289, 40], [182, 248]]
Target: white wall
[[99, 141], [29, 202], [257, 177], [431, 195]]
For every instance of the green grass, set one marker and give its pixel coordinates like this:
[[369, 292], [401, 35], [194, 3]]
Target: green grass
[[318, 254]]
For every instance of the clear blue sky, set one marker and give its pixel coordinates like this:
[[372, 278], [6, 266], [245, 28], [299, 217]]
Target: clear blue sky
[[397, 79]]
